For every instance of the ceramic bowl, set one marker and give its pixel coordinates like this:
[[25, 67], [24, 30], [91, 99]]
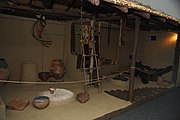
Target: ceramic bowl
[[44, 76], [41, 102]]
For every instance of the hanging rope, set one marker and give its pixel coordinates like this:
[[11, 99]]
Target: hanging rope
[[69, 82]]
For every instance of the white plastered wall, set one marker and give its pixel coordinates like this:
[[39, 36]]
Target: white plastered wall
[[18, 45], [158, 53]]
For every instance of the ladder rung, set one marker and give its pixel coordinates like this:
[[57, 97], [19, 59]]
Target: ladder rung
[[89, 55]]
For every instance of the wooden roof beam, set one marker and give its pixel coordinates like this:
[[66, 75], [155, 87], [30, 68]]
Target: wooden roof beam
[[122, 8], [161, 24], [22, 10], [105, 18], [143, 14], [131, 16], [160, 19], [172, 22]]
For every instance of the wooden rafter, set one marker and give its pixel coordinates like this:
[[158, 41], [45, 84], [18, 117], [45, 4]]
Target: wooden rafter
[[172, 22], [161, 25], [70, 10], [123, 9], [143, 14], [160, 19]]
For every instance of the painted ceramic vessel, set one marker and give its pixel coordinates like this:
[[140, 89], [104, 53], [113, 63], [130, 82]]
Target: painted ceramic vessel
[[4, 71], [82, 97], [57, 69], [44, 76], [41, 102]]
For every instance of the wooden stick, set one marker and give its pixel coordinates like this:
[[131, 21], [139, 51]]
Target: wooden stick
[[131, 81]]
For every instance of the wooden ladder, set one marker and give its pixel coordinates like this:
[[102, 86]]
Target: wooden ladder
[[92, 68]]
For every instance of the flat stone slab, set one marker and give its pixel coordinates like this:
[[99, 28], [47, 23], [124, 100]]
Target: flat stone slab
[[17, 104]]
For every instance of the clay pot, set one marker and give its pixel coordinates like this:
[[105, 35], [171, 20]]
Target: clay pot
[[41, 102], [44, 76], [29, 71], [4, 71], [82, 97], [57, 69]]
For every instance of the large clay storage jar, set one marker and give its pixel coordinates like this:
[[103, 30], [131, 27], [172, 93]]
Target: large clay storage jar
[[29, 71], [57, 69], [4, 71]]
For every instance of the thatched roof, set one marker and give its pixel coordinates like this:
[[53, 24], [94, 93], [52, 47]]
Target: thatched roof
[[108, 11], [139, 6]]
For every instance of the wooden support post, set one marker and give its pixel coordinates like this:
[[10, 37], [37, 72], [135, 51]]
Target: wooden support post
[[176, 60], [131, 81]]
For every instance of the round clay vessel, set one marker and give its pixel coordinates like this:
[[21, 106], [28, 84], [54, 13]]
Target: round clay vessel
[[57, 69], [41, 102], [44, 76], [82, 97]]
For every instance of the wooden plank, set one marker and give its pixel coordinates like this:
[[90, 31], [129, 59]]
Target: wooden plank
[[131, 81]]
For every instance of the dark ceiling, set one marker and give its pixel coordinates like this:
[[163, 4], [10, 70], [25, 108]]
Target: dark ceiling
[[63, 10]]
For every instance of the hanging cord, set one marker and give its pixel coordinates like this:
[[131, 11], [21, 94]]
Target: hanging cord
[[103, 78], [37, 30]]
